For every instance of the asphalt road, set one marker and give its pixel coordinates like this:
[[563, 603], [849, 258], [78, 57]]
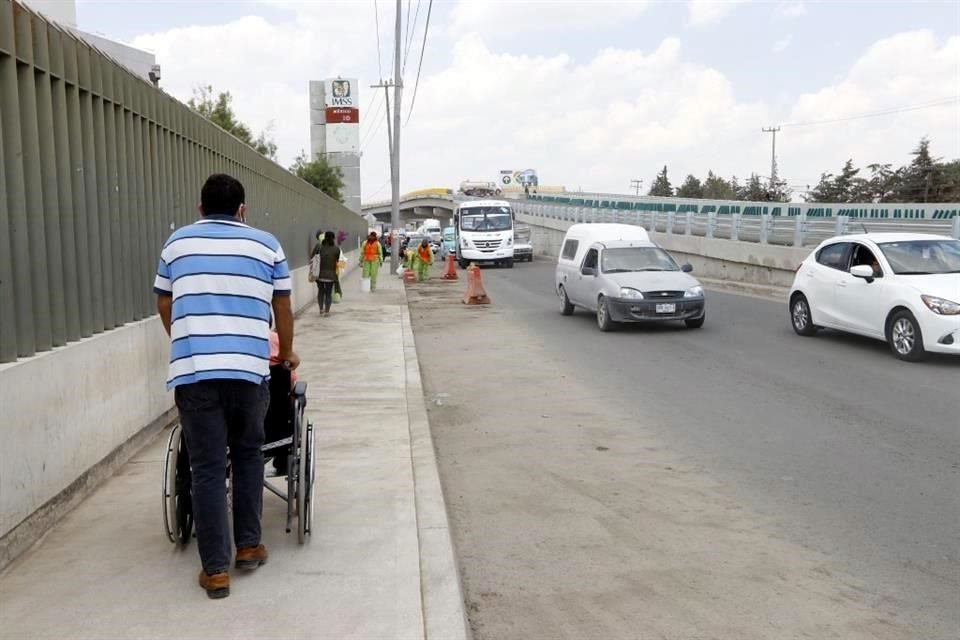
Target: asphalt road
[[840, 447]]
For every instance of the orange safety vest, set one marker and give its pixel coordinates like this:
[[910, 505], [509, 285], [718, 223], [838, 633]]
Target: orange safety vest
[[424, 254], [371, 251]]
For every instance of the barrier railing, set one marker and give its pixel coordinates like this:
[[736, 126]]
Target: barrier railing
[[798, 231]]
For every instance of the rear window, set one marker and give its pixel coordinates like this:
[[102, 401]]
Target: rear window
[[570, 249]]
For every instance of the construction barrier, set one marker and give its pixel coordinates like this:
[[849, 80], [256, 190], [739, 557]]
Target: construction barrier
[[475, 293]]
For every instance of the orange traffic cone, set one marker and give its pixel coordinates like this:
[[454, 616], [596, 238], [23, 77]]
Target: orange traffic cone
[[409, 275], [475, 294], [451, 272]]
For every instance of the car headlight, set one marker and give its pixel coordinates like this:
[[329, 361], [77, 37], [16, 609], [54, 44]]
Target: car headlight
[[940, 306], [630, 294], [464, 243], [693, 292], [509, 241]]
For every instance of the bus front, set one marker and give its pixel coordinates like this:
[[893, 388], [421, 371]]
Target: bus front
[[484, 233]]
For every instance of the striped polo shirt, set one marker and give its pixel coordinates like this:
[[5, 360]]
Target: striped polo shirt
[[222, 275]]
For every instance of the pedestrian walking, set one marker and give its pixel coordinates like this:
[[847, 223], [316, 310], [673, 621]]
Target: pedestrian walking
[[329, 258], [216, 283], [423, 259], [371, 257]]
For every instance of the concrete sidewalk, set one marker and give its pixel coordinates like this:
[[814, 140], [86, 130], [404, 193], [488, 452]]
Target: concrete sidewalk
[[380, 563]]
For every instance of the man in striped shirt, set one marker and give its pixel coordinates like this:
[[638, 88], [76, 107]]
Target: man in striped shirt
[[216, 283]]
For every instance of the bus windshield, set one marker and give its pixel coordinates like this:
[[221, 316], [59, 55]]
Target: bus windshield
[[486, 219]]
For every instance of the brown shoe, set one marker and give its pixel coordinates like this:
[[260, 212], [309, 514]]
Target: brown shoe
[[249, 558], [217, 585]]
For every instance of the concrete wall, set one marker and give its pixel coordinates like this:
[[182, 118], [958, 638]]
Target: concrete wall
[[73, 415], [741, 262]]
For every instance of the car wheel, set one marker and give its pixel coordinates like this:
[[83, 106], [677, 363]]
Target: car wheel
[[905, 338], [695, 323], [463, 263], [800, 316], [603, 315], [508, 264], [566, 307]]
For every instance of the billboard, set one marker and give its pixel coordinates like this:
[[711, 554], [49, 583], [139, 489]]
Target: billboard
[[341, 106], [518, 178]]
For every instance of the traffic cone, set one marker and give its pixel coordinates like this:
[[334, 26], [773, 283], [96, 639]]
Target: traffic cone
[[409, 275], [451, 272], [475, 294]]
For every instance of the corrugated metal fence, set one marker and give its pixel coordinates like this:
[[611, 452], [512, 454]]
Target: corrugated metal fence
[[96, 168]]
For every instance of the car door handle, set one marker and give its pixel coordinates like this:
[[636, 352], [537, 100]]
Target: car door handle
[[842, 283]]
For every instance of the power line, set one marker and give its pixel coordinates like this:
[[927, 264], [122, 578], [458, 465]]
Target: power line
[[423, 47], [376, 17], [374, 125], [915, 107], [411, 32]]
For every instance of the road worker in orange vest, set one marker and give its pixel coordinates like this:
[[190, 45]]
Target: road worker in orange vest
[[371, 257], [422, 260]]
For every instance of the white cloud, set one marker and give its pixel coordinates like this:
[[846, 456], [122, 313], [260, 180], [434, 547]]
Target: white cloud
[[781, 45], [703, 12], [593, 123], [495, 18], [792, 9], [912, 68]]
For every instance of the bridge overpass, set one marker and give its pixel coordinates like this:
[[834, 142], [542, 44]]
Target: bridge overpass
[[438, 204]]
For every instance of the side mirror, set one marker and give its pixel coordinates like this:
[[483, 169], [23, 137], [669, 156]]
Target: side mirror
[[588, 271], [687, 268], [864, 271]]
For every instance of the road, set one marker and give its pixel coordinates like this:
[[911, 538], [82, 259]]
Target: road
[[828, 459]]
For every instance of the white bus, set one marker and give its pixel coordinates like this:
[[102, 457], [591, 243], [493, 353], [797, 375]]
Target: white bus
[[484, 232]]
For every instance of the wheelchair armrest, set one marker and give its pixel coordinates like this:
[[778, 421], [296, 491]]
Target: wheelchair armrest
[[300, 389]]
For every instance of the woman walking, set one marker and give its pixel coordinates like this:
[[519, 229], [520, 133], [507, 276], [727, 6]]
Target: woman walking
[[329, 254]]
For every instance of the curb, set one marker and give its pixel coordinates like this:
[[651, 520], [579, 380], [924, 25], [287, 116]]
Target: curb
[[441, 594]]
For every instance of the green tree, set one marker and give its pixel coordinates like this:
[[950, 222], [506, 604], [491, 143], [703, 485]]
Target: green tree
[[716, 188], [691, 188], [321, 174], [843, 184], [754, 191], [219, 111], [661, 185], [923, 177]]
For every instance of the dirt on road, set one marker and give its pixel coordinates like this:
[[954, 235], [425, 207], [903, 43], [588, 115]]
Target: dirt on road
[[572, 520]]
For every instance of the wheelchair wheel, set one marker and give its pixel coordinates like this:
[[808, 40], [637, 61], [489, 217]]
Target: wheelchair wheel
[[300, 429], [177, 502]]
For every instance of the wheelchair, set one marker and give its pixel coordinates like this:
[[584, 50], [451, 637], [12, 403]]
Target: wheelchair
[[288, 444]]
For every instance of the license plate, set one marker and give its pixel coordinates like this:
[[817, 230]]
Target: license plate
[[666, 308]]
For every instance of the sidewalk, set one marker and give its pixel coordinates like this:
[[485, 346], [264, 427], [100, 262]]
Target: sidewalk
[[380, 564]]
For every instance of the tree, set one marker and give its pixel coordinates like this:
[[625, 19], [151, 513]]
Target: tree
[[754, 191], [219, 111], [321, 174], [691, 188], [661, 185], [923, 177], [716, 188]]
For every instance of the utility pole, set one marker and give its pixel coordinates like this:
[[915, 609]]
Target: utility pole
[[395, 150], [635, 184], [773, 157]]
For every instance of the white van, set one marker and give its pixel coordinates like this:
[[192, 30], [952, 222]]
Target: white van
[[617, 272]]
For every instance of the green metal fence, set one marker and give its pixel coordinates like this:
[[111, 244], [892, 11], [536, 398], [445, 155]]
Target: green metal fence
[[96, 168]]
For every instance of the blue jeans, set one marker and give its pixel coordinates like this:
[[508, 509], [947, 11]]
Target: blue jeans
[[215, 414]]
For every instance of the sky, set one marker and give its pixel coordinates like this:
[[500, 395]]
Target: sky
[[590, 94]]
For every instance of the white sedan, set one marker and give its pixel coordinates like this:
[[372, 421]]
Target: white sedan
[[898, 287]]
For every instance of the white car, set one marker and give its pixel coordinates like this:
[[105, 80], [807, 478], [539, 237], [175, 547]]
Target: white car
[[903, 288]]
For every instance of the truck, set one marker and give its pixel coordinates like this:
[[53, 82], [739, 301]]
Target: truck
[[484, 232], [479, 188], [432, 229]]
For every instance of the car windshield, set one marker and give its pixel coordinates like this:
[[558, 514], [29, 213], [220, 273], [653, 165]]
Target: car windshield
[[922, 257], [448, 234], [486, 219], [627, 259]]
